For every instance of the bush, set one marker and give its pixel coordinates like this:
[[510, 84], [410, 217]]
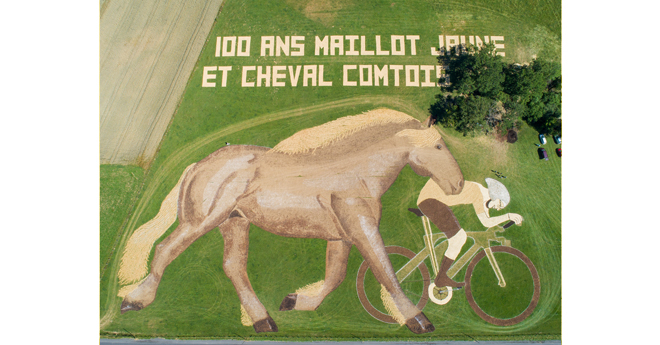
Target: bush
[[471, 115]]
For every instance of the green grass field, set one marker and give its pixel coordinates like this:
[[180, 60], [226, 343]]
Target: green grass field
[[120, 186], [197, 300]]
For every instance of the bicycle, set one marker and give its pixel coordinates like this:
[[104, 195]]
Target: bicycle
[[476, 284]]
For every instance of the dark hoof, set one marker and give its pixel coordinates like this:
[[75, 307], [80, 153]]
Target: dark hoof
[[265, 325], [126, 306], [289, 302], [420, 324]]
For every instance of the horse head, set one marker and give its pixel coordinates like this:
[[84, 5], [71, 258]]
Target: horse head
[[429, 156]]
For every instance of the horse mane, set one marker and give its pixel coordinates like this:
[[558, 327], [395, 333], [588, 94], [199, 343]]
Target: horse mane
[[331, 132]]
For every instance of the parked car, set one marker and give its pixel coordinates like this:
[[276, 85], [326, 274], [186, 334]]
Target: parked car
[[542, 139], [543, 154], [557, 139], [558, 151]]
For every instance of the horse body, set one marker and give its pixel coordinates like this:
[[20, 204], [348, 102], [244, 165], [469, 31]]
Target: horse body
[[297, 199], [329, 193]]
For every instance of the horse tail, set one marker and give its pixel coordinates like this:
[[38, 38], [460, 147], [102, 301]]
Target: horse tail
[[133, 266]]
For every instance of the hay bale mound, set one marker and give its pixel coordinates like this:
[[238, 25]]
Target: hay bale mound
[[511, 136]]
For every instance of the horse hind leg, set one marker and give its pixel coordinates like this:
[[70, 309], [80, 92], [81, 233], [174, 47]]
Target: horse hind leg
[[311, 296], [235, 232], [223, 189], [182, 237]]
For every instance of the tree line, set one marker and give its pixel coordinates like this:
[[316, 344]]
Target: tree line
[[485, 94]]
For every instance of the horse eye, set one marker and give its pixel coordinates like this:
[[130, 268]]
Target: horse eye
[[439, 147]]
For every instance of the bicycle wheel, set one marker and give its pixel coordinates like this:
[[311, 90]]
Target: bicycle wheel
[[502, 306], [415, 286]]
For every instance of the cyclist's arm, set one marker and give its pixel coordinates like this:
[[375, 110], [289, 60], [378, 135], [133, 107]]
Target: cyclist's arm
[[492, 221]]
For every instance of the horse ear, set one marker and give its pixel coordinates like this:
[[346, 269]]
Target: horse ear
[[430, 121]]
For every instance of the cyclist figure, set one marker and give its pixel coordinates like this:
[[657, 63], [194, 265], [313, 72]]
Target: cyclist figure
[[434, 204]]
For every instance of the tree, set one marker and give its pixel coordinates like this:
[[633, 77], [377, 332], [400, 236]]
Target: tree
[[444, 110], [512, 115], [486, 93], [537, 88], [467, 114], [472, 112], [475, 72]]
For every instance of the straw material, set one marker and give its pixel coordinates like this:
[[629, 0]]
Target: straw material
[[324, 135], [246, 320], [312, 289], [421, 137], [390, 306], [124, 291]]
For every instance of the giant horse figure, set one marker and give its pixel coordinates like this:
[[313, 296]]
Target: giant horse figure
[[323, 182]]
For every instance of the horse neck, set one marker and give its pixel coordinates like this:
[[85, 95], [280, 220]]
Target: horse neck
[[380, 167]]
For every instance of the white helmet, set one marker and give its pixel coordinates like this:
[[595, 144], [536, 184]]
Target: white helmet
[[496, 190]]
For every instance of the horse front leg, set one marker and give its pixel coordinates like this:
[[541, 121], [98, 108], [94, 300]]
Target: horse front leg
[[311, 296], [182, 237], [361, 226], [235, 232]]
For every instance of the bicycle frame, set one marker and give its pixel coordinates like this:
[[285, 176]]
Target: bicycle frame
[[436, 244], [481, 239]]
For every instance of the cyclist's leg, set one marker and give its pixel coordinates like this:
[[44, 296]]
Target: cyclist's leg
[[442, 216]]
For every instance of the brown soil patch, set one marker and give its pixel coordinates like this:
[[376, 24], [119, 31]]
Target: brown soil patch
[[511, 136]]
